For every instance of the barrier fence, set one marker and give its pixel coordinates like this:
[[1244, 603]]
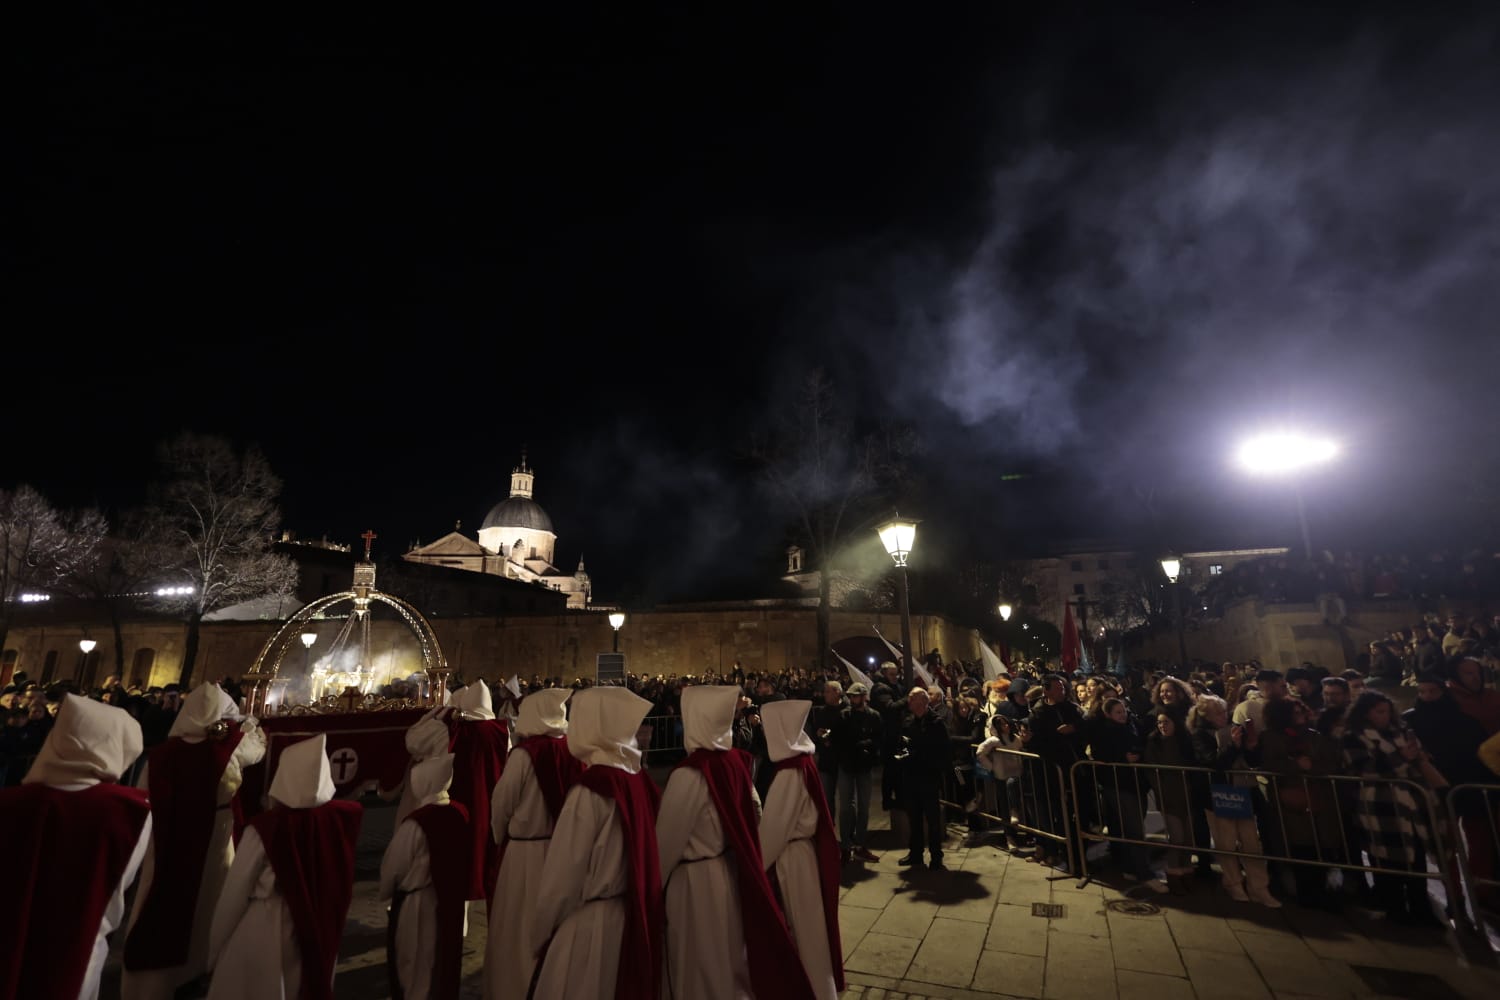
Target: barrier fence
[[1474, 811], [663, 744], [1025, 796]]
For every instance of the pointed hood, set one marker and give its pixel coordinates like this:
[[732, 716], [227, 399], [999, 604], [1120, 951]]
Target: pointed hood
[[472, 702], [708, 716], [207, 704], [430, 780], [602, 723], [89, 742], [303, 779], [427, 738], [783, 722], [543, 713]]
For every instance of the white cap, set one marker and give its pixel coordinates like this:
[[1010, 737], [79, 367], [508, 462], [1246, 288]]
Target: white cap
[[602, 723], [89, 742], [708, 716], [472, 702], [207, 704], [303, 779], [430, 779], [782, 722], [543, 713]]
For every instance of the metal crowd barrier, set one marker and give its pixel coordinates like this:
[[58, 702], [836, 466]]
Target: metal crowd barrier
[[1474, 818], [1035, 802], [1324, 808], [665, 741]]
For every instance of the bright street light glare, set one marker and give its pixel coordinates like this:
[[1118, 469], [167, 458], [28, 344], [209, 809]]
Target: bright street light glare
[[1275, 454]]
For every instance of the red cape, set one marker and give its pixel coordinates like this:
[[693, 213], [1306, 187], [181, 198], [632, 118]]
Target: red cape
[[65, 853], [311, 852], [768, 941], [479, 749], [184, 780], [446, 828], [827, 846], [556, 771], [635, 797]]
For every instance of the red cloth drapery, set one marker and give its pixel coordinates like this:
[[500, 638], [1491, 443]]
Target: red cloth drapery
[[826, 842], [479, 748], [183, 780], [768, 941], [556, 771], [1069, 641], [446, 828], [311, 852], [65, 853]]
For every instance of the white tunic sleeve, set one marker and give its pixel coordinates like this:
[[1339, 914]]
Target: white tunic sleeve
[[405, 865], [239, 885], [687, 824], [506, 798], [785, 816]]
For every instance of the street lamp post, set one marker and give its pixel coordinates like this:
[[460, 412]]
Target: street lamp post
[[897, 535], [1287, 454], [85, 647], [1005, 612], [1172, 566], [616, 619]]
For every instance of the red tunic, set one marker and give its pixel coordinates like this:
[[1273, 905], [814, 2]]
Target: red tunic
[[65, 853], [446, 828], [826, 842], [311, 852], [479, 749], [184, 784], [768, 941]]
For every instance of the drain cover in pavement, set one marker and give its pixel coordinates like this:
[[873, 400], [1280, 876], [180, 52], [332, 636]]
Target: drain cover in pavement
[[1400, 983], [1134, 907], [1051, 910]]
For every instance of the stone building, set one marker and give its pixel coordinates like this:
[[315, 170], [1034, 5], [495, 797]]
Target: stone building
[[516, 540]]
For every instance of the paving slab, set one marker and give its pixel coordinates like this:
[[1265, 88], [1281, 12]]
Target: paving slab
[[949, 954]]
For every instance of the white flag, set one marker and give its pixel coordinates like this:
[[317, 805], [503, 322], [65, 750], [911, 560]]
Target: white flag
[[894, 651], [514, 685], [993, 668], [923, 676], [857, 675]]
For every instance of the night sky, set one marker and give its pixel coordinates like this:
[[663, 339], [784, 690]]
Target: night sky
[[1088, 244]]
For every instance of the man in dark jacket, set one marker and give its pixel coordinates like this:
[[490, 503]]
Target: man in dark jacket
[[924, 744], [857, 740], [1056, 735], [765, 770], [821, 722], [885, 696]]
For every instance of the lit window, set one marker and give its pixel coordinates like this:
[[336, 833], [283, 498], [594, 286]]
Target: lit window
[[1216, 569]]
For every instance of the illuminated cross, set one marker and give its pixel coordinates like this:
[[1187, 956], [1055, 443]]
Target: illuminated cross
[[369, 536], [345, 760]]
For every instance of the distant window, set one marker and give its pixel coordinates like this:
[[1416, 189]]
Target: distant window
[[1076, 565], [1080, 589], [1216, 569], [1104, 564], [49, 667]]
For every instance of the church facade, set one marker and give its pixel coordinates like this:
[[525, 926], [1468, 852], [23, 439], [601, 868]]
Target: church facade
[[516, 541]]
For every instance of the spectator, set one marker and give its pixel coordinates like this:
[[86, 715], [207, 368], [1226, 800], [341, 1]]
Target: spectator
[[822, 721], [1226, 748], [1178, 793], [924, 744], [1305, 808], [1117, 741], [1475, 699], [1269, 686], [1055, 729], [857, 741], [1336, 703], [886, 699], [1000, 772], [965, 732]]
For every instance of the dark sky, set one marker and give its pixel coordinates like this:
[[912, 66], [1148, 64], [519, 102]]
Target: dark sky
[[1092, 243]]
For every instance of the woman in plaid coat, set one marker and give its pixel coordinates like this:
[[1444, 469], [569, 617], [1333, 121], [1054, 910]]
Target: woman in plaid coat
[[1395, 816]]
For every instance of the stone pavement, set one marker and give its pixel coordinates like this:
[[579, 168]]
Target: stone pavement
[[970, 933]]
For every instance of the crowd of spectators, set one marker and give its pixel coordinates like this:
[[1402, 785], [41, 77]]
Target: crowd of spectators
[[1437, 576]]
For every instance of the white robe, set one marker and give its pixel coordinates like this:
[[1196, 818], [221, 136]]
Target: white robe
[[705, 941], [581, 895], [405, 867], [517, 808], [161, 984], [252, 935], [788, 829]]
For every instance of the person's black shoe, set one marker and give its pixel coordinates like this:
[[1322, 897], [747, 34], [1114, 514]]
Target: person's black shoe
[[938, 866], [911, 861], [845, 855]]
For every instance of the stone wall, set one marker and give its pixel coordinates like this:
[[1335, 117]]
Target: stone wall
[[765, 636]]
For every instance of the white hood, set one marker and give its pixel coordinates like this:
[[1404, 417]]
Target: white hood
[[303, 779], [427, 738], [472, 702], [783, 722], [89, 742], [207, 704], [543, 713], [602, 723], [708, 716], [430, 780]]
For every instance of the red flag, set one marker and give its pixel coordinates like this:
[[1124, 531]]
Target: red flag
[[1069, 641]]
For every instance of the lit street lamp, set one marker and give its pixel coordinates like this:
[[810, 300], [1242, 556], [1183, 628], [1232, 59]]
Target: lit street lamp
[[1005, 610], [616, 619], [85, 646], [308, 638], [1287, 454], [1172, 566], [897, 535]]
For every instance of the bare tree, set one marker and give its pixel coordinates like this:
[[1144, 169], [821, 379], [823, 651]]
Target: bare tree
[[39, 547], [208, 528], [831, 481], [112, 579]]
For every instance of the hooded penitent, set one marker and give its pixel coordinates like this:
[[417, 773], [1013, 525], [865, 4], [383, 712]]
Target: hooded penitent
[[67, 849], [309, 841], [183, 775], [542, 732], [790, 748], [707, 723], [445, 826], [479, 743], [473, 702], [543, 713], [602, 723]]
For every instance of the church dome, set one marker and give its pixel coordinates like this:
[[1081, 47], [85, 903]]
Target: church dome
[[517, 512]]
